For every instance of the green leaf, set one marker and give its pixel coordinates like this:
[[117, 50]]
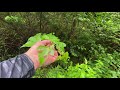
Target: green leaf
[[44, 50], [52, 52], [42, 60], [60, 46], [32, 40], [45, 37]]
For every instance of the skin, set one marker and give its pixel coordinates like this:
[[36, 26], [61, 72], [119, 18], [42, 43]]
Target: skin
[[33, 54]]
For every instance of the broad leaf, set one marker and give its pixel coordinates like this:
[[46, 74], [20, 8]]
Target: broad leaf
[[45, 50]]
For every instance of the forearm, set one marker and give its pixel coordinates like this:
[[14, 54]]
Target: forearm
[[18, 67]]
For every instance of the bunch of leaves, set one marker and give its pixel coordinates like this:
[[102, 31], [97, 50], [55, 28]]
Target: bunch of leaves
[[108, 65], [14, 19], [80, 71], [57, 44], [111, 60], [72, 71]]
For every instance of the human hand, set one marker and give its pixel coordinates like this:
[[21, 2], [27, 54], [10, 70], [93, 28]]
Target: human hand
[[50, 58], [33, 54]]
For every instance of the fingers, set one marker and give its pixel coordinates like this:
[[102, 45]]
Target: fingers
[[55, 53], [53, 58], [50, 59], [43, 43], [46, 42]]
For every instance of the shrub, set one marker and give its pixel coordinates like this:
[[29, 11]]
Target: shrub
[[93, 36]]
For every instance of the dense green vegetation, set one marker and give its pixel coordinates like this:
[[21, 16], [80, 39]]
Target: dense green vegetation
[[92, 40]]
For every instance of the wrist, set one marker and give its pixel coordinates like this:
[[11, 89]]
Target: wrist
[[35, 62]]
